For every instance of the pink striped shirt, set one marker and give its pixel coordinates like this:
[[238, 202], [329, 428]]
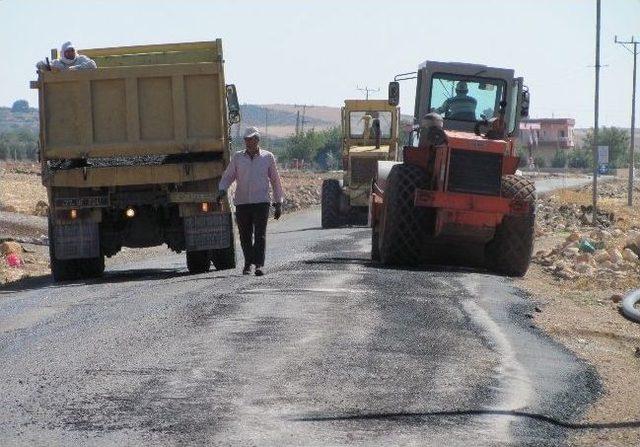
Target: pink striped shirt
[[252, 177]]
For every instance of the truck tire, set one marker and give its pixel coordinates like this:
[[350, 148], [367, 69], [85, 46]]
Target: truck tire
[[375, 245], [509, 252], [330, 203], [198, 261], [403, 224], [92, 267], [358, 216], [61, 270], [68, 269], [225, 258]]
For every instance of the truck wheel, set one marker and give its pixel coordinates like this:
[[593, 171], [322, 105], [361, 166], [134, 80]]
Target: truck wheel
[[61, 270], [198, 261], [330, 209], [358, 216], [225, 258], [510, 250], [403, 224], [375, 245], [91, 268]]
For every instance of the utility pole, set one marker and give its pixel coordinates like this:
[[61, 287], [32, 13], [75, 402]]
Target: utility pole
[[304, 111], [595, 117], [266, 126], [297, 122], [633, 114], [367, 90]]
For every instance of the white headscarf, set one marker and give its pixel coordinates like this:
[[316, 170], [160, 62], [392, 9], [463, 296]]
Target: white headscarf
[[65, 47]]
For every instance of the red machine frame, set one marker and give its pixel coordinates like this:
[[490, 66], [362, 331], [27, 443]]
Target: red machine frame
[[472, 216]]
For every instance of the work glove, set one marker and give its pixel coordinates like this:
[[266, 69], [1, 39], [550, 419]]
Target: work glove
[[221, 195], [278, 210]]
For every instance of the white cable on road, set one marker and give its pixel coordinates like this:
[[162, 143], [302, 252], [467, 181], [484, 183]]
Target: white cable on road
[[629, 306]]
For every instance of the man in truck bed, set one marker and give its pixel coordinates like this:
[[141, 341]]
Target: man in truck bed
[[69, 60]]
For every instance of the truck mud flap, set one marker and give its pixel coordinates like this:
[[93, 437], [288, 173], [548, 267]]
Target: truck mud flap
[[77, 240], [210, 231]]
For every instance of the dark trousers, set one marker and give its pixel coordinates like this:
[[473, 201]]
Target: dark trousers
[[252, 226]]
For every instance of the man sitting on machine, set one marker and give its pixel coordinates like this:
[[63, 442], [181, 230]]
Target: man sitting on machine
[[460, 107]]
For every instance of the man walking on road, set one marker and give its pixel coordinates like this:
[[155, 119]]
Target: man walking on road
[[252, 170]]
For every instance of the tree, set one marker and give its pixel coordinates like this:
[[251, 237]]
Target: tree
[[330, 154], [20, 144], [618, 141], [303, 146], [20, 106], [322, 147]]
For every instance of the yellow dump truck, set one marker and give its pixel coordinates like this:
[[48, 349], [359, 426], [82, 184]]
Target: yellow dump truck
[[369, 134], [132, 153]]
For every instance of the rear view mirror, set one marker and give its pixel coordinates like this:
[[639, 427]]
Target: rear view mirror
[[524, 102], [232, 104], [394, 93]]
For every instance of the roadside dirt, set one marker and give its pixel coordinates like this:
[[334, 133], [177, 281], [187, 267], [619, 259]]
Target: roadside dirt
[[579, 294]]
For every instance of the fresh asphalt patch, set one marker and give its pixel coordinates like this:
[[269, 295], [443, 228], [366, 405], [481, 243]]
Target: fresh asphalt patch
[[327, 349]]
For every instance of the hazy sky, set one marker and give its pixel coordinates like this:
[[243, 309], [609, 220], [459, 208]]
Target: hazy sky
[[318, 52]]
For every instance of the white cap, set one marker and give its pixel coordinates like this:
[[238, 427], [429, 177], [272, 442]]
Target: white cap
[[251, 132]]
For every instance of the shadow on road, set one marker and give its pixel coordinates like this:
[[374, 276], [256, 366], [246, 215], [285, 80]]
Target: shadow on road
[[110, 277], [453, 413], [296, 230]]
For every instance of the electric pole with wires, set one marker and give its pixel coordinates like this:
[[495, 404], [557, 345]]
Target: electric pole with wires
[[368, 90], [633, 113], [595, 118]]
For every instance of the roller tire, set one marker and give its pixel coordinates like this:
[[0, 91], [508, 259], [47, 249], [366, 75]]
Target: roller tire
[[509, 252], [198, 261], [403, 225], [330, 204]]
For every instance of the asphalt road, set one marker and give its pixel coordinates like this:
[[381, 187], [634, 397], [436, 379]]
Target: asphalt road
[[326, 349]]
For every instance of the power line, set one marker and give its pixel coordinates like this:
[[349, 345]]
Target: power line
[[633, 113]]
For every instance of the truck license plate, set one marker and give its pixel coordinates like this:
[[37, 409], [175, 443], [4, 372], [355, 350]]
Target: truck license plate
[[82, 202]]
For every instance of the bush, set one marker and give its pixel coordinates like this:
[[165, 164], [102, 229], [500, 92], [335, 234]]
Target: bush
[[540, 162], [559, 159], [581, 159]]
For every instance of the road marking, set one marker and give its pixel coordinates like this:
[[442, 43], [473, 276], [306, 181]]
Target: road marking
[[514, 386]]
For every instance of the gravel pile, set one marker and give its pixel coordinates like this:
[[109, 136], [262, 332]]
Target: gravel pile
[[607, 255], [553, 217]]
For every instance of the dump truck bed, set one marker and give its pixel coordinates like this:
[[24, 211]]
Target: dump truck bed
[[167, 100]]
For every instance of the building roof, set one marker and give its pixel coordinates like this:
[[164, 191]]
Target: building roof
[[567, 121]]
